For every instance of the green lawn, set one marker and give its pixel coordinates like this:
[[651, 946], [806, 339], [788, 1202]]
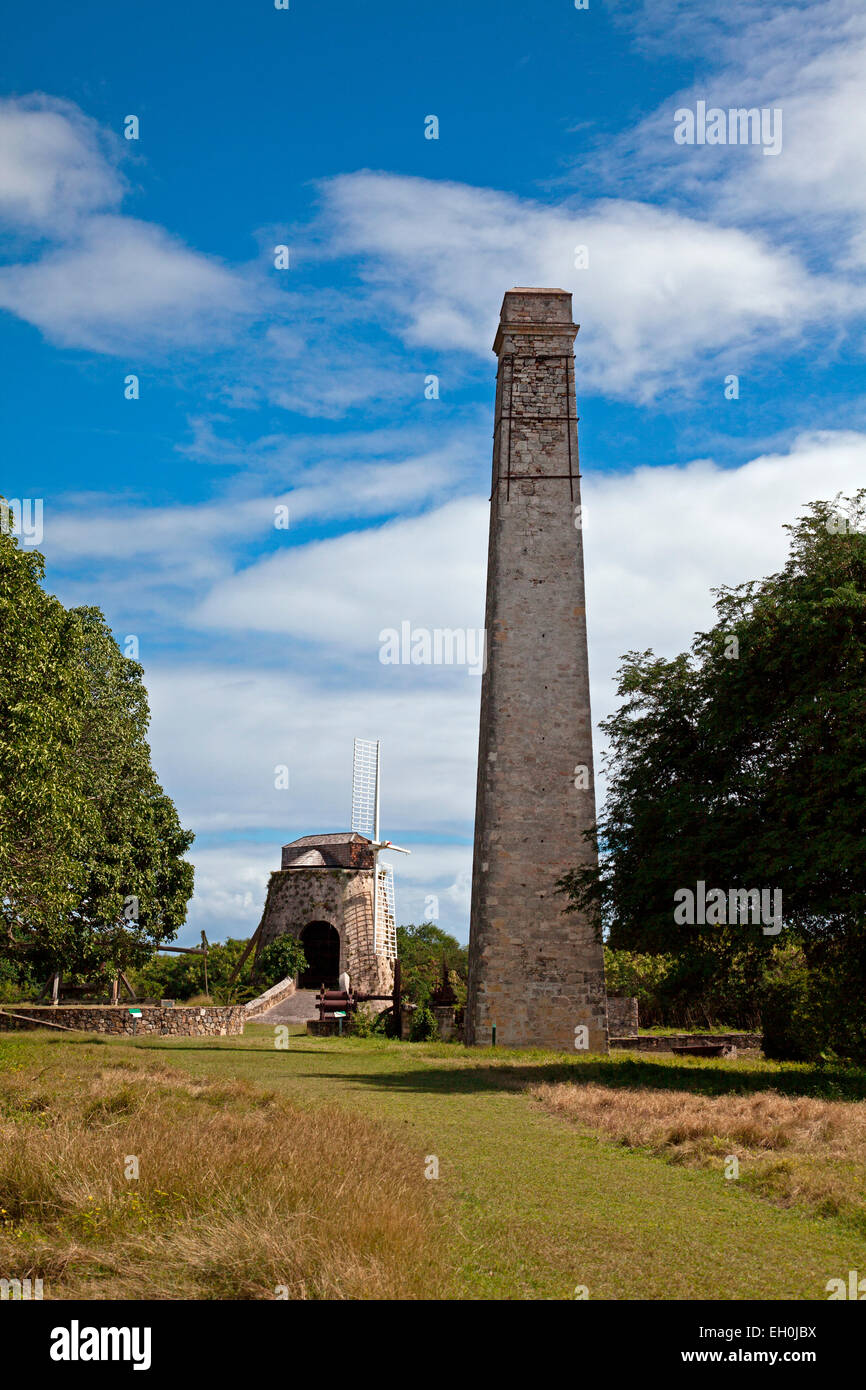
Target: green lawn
[[532, 1206]]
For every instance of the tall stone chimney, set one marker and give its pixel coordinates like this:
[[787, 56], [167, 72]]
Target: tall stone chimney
[[535, 971]]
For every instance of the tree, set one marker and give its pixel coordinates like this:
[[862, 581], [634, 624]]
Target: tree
[[282, 957], [421, 950], [743, 764], [91, 849], [181, 977]]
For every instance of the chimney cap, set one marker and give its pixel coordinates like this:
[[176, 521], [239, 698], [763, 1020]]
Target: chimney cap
[[537, 310]]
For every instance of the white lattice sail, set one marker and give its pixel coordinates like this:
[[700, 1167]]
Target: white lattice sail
[[365, 787], [365, 820], [387, 923]]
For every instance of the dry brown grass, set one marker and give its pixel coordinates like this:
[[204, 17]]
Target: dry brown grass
[[793, 1150], [239, 1192]]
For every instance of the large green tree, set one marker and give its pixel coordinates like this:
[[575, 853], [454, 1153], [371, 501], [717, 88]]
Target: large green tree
[[421, 950], [743, 764], [91, 849]]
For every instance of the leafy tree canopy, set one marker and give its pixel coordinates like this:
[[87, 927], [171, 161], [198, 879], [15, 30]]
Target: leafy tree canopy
[[743, 764], [421, 950], [91, 849], [282, 957], [181, 977]]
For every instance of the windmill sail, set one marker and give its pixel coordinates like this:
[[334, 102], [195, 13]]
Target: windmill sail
[[365, 820], [389, 919], [365, 788]]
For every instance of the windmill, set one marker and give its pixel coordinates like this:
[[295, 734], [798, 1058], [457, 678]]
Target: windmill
[[365, 820]]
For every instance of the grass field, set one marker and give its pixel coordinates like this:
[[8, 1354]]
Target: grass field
[[305, 1168]]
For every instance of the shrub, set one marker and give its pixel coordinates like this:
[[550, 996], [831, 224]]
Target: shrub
[[17, 982], [691, 990], [788, 1032], [390, 1024], [363, 1024], [180, 977], [813, 1008], [424, 1027]]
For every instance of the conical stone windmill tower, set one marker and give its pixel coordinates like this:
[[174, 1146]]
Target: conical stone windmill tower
[[332, 894]]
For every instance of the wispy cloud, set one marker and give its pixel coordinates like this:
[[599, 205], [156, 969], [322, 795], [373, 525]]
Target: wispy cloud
[[145, 563], [126, 286], [56, 165], [109, 283], [667, 293], [806, 59], [663, 297], [341, 593]]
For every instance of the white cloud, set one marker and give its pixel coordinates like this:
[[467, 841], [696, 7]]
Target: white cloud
[[663, 297], [427, 570], [220, 731], [231, 882], [318, 372], [657, 541], [55, 165], [125, 284], [667, 297], [434, 883], [230, 886], [174, 557], [806, 60], [110, 283]]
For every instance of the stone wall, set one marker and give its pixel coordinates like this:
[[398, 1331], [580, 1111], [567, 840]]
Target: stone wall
[[327, 1027], [535, 971], [622, 1016], [444, 1015], [180, 1021], [664, 1042], [283, 989]]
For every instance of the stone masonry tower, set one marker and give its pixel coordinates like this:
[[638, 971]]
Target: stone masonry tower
[[535, 972], [323, 897]]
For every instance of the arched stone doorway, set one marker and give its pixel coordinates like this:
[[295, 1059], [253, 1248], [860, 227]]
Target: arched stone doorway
[[321, 943]]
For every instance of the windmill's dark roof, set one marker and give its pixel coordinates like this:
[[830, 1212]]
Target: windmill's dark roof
[[342, 837], [344, 850]]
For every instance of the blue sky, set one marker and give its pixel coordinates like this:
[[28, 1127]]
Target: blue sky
[[305, 387]]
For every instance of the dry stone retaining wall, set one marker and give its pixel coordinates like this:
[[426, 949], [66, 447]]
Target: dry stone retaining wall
[[622, 1015], [283, 989], [180, 1021], [664, 1042]]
